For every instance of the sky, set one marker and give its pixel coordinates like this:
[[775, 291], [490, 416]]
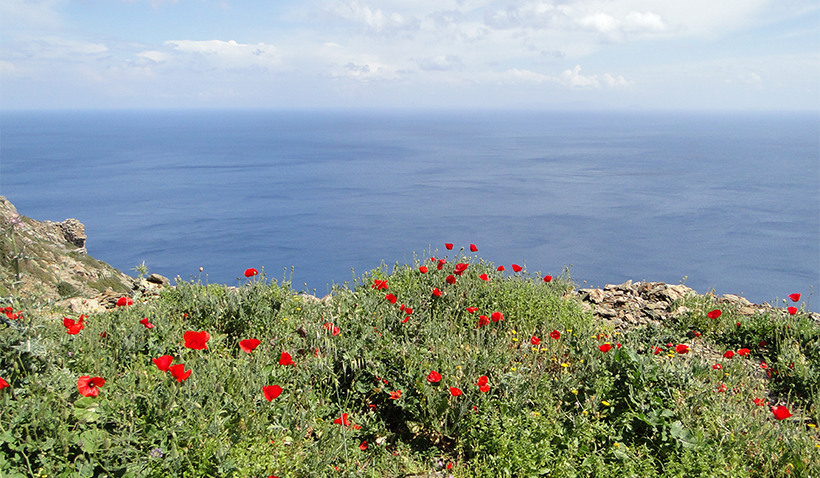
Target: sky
[[531, 54]]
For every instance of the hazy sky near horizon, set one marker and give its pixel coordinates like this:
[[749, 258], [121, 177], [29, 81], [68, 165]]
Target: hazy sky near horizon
[[559, 54]]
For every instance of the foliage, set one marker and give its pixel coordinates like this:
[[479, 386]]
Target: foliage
[[525, 392]]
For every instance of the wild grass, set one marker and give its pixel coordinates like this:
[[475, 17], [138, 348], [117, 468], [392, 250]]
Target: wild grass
[[357, 400]]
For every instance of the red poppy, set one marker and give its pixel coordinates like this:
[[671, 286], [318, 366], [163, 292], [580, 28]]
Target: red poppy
[[714, 314], [423, 269], [251, 272], [473, 248], [721, 387], [163, 362], [657, 350], [517, 268], [781, 413], [408, 311], [760, 402], [405, 319], [472, 310], [436, 292], [434, 377], [682, 349], [123, 301], [88, 386], [271, 391], [448, 245], [535, 340], [395, 395], [390, 298], [547, 278], [248, 345], [440, 264], [792, 310], [717, 366], [449, 466], [482, 384], [728, 354], [743, 352], [148, 325], [196, 340], [286, 359], [794, 297], [3, 384], [73, 328], [178, 372], [605, 347], [460, 268], [342, 420], [455, 391], [451, 279], [363, 445], [496, 316], [555, 335], [482, 321], [484, 277], [500, 268], [764, 365], [379, 284]]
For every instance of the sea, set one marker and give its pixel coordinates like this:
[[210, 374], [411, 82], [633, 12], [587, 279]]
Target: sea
[[719, 201]]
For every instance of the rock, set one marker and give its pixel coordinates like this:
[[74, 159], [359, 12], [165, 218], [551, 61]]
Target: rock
[[83, 306], [74, 233], [158, 279]]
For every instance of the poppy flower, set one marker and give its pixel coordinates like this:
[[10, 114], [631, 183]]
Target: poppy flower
[[248, 345], [482, 384], [682, 349], [251, 272], [286, 359], [781, 413], [379, 284], [123, 301], [759, 402], [448, 245], [473, 248], [451, 279], [454, 391], [714, 314], [721, 387], [517, 268], [72, 327], [271, 391], [423, 269], [482, 321], [3, 383], [395, 395], [792, 310], [547, 278], [460, 268], [363, 445], [436, 292], [390, 298], [472, 310], [657, 350], [794, 297], [484, 277], [89, 386], [434, 377], [764, 365], [555, 335], [148, 325], [535, 340], [178, 372], [440, 264], [500, 269], [408, 311], [196, 340], [163, 362], [717, 366], [743, 352], [496, 316], [342, 420], [605, 347], [405, 319]]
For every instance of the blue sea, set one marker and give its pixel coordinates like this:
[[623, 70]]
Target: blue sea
[[723, 201]]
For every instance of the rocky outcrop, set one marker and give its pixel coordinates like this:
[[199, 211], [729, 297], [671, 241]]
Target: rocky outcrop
[[638, 303], [47, 261]]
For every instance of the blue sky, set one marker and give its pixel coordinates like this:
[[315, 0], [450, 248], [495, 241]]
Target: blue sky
[[549, 54]]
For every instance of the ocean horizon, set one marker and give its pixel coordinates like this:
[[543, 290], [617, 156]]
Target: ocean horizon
[[728, 202]]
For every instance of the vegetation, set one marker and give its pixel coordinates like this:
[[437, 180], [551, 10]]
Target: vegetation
[[446, 365]]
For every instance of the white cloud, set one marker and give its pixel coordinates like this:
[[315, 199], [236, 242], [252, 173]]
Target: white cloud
[[376, 20], [224, 54], [441, 63]]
